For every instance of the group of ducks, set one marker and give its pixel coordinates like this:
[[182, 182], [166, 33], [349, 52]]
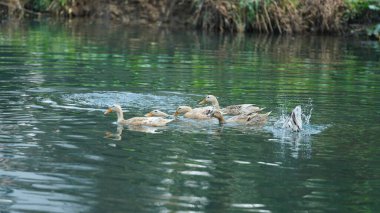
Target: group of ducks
[[245, 114]]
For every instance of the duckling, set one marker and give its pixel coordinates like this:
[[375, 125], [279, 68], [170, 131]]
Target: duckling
[[197, 113], [246, 119], [232, 109], [137, 121], [294, 121]]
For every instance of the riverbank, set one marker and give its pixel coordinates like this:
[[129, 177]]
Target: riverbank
[[262, 16]]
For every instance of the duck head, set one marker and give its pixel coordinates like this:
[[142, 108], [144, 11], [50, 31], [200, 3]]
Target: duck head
[[216, 114], [182, 110], [209, 99], [156, 113], [115, 108]]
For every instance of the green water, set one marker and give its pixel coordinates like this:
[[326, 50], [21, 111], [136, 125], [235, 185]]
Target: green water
[[59, 153]]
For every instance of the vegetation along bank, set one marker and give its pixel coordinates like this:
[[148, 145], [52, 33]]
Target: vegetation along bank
[[263, 16]]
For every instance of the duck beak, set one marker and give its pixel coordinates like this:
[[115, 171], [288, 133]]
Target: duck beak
[[149, 114], [176, 113], [108, 111], [203, 101]]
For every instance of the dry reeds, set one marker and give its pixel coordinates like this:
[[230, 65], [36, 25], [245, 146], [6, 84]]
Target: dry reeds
[[323, 15], [271, 16], [266, 16], [285, 17], [219, 16]]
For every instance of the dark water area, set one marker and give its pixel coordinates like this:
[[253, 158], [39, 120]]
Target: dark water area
[[59, 153]]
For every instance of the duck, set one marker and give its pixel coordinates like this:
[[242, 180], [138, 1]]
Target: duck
[[156, 113], [137, 121], [196, 113], [294, 121], [251, 119], [232, 109]]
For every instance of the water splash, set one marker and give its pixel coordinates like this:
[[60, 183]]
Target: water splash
[[305, 116], [297, 143], [307, 108]]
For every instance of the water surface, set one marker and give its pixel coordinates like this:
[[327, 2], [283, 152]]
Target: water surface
[[59, 153]]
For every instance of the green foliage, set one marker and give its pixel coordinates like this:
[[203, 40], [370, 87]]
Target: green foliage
[[359, 7], [64, 2], [250, 8], [374, 32], [39, 5], [42, 5], [364, 4]]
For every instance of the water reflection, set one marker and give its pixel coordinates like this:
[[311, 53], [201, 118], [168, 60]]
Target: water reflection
[[116, 135], [146, 129], [297, 143], [195, 177]]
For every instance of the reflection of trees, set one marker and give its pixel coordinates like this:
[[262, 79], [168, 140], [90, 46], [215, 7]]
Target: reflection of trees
[[167, 60]]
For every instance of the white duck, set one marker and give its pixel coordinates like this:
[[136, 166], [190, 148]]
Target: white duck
[[137, 121], [232, 109], [196, 113], [294, 121]]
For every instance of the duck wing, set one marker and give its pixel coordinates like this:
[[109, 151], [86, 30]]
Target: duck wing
[[242, 118], [257, 119], [203, 110], [147, 121], [241, 109], [199, 113]]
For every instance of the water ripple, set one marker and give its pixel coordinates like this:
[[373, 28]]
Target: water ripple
[[165, 101]]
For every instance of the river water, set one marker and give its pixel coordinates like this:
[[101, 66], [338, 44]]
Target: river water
[[59, 153]]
